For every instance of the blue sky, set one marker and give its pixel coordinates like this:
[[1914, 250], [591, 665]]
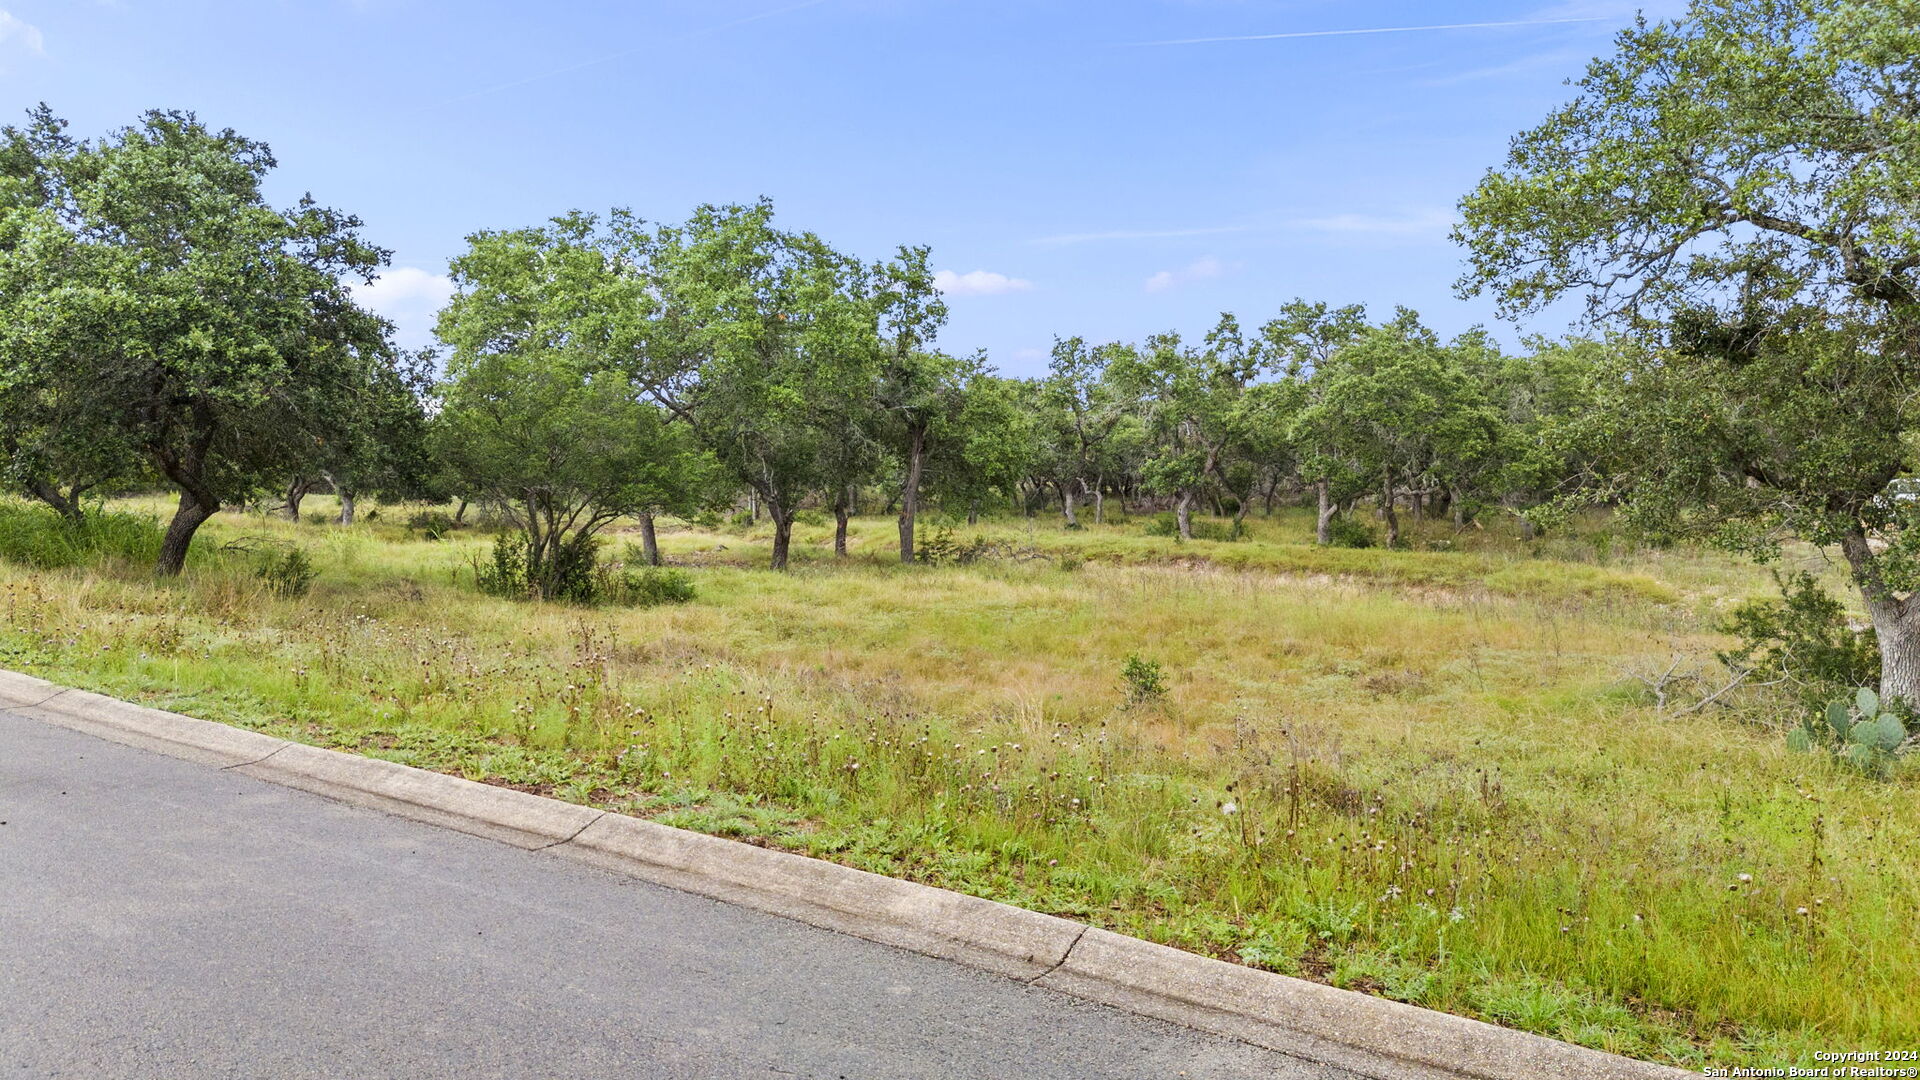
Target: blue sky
[[1072, 176]]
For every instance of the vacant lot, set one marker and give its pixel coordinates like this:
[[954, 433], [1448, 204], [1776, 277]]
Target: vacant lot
[[1426, 774]]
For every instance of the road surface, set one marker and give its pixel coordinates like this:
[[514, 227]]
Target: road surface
[[165, 919]]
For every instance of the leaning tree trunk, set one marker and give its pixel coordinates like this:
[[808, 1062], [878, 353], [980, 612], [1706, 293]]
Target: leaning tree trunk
[[346, 506], [1182, 512], [66, 505], [1896, 623], [1323, 532], [194, 510], [649, 540], [1100, 500], [296, 492]]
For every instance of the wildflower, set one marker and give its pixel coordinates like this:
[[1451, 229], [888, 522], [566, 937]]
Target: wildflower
[[1229, 809], [1743, 878], [1455, 915], [1801, 911]]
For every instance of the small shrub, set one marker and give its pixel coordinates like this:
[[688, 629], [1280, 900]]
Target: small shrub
[[811, 518], [319, 517], [705, 519], [940, 548], [741, 520], [1802, 638], [432, 524], [575, 575], [1349, 532], [505, 574], [1070, 561], [655, 585], [289, 573], [1143, 680]]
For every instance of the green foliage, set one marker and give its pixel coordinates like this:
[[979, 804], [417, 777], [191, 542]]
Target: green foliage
[[36, 536], [576, 576], [1143, 680], [1722, 188], [655, 585], [432, 524], [289, 572], [1803, 638], [1350, 532], [504, 574], [160, 317], [940, 548], [1166, 524]]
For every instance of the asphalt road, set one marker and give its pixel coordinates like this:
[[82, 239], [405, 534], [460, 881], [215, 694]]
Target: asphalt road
[[165, 919]]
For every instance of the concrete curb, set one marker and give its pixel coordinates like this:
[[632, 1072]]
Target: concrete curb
[[1364, 1034]]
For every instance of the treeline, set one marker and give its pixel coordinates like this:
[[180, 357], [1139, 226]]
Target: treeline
[[165, 325]]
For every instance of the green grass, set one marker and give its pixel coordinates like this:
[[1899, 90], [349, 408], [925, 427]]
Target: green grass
[[1443, 788]]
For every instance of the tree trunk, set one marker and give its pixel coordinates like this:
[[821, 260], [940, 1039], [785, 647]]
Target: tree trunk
[[460, 514], [782, 533], [1386, 507], [649, 540], [910, 490], [1066, 505], [1182, 514], [1896, 623], [841, 511], [973, 512], [187, 519], [1099, 500], [1459, 507], [1323, 532], [346, 506], [296, 492]]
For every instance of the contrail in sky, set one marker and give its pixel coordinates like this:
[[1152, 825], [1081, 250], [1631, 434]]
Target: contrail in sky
[[1371, 30], [610, 57]]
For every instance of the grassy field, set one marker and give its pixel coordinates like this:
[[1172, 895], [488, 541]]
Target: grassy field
[[1425, 774]]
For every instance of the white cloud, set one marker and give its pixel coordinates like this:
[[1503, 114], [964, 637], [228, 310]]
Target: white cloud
[[25, 34], [1204, 268], [978, 283], [410, 298], [1419, 224]]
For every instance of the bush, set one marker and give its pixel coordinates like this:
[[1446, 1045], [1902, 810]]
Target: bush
[[288, 573], [1349, 532], [939, 548], [1143, 680], [576, 576], [432, 524], [505, 574], [1804, 639], [810, 518], [655, 585], [36, 536]]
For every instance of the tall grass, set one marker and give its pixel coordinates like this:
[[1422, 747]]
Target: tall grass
[[36, 536], [1421, 776]]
